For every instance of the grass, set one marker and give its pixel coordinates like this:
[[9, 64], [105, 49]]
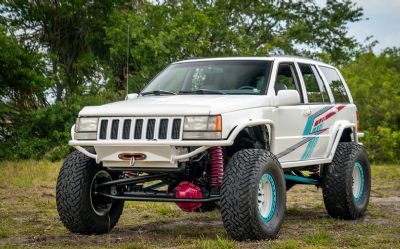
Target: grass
[[28, 217], [320, 238]]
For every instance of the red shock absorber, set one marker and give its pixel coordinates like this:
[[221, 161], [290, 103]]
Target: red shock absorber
[[217, 166]]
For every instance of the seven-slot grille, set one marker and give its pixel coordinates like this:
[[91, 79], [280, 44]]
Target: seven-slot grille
[[140, 128]]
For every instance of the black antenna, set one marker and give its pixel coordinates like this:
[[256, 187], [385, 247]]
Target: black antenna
[[127, 64]]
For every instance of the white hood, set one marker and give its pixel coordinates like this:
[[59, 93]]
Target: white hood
[[178, 105]]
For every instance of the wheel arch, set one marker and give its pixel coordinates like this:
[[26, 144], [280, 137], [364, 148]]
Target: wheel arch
[[341, 131], [256, 131]]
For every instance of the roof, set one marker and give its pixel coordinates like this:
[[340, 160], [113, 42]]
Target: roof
[[258, 58]]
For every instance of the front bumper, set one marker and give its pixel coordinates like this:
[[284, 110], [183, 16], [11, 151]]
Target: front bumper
[[160, 153], [165, 154]]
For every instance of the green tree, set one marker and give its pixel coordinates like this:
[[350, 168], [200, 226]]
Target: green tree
[[86, 40], [70, 31], [375, 86], [22, 78], [74, 48], [170, 30]]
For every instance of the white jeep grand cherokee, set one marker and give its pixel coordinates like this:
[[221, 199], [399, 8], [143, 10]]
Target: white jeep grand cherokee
[[233, 133]]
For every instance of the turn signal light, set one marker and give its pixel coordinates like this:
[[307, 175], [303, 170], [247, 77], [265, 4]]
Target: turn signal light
[[218, 123]]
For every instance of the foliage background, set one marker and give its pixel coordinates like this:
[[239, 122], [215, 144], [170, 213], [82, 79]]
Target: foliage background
[[58, 56]]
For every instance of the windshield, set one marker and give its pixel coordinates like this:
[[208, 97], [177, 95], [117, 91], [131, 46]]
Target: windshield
[[212, 77]]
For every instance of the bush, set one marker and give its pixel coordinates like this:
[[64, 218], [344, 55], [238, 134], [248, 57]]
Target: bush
[[382, 144], [374, 83], [44, 133]]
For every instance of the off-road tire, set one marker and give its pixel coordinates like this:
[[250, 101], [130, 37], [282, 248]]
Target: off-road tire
[[73, 197], [239, 195], [337, 182]]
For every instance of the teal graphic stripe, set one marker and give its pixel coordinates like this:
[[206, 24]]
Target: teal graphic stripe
[[310, 120], [310, 134], [311, 145], [299, 144], [294, 147]]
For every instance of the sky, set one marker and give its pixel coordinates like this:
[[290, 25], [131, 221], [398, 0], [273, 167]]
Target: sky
[[383, 22]]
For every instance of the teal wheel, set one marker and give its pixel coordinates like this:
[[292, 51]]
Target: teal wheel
[[346, 182], [266, 197], [358, 181], [253, 195]]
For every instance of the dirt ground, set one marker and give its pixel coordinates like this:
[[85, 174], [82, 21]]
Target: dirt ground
[[28, 218]]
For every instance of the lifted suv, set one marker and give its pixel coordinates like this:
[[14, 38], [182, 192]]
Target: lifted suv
[[232, 133]]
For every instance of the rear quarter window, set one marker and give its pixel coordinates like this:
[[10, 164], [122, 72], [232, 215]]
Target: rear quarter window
[[335, 83]]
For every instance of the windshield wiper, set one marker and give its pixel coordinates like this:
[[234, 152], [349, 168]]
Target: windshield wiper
[[202, 91], [158, 92]]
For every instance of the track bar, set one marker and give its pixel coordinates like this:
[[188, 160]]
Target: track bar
[[132, 180], [158, 199]]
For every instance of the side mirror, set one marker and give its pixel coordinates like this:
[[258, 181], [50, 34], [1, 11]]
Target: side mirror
[[287, 97], [131, 96]]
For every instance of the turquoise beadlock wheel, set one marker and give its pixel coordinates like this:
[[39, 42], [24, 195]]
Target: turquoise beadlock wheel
[[358, 181], [266, 197], [253, 195], [346, 182]]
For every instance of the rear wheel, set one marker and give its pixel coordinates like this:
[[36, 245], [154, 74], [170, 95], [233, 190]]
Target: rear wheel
[[253, 195], [81, 210], [346, 182]]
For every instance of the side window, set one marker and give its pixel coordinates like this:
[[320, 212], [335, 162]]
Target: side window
[[321, 84], [315, 88], [286, 79], [336, 85]]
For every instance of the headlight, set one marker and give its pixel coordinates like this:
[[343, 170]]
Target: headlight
[[196, 123], [202, 127], [86, 124]]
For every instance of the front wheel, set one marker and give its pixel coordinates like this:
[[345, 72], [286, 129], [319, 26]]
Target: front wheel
[[346, 182], [253, 195], [80, 209]]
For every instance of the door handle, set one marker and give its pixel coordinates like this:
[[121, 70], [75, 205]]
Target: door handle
[[307, 112]]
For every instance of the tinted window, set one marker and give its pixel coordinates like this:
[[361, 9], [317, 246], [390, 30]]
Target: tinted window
[[336, 85], [316, 91], [286, 79]]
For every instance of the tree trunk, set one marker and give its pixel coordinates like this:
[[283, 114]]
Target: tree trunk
[[59, 85]]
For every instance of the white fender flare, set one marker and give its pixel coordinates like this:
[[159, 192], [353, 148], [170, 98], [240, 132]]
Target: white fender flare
[[336, 131], [235, 131]]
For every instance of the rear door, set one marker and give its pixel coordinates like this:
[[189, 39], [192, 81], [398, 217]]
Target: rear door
[[344, 109]]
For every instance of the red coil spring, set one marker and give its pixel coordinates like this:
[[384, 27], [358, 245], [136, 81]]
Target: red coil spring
[[217, 166]]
